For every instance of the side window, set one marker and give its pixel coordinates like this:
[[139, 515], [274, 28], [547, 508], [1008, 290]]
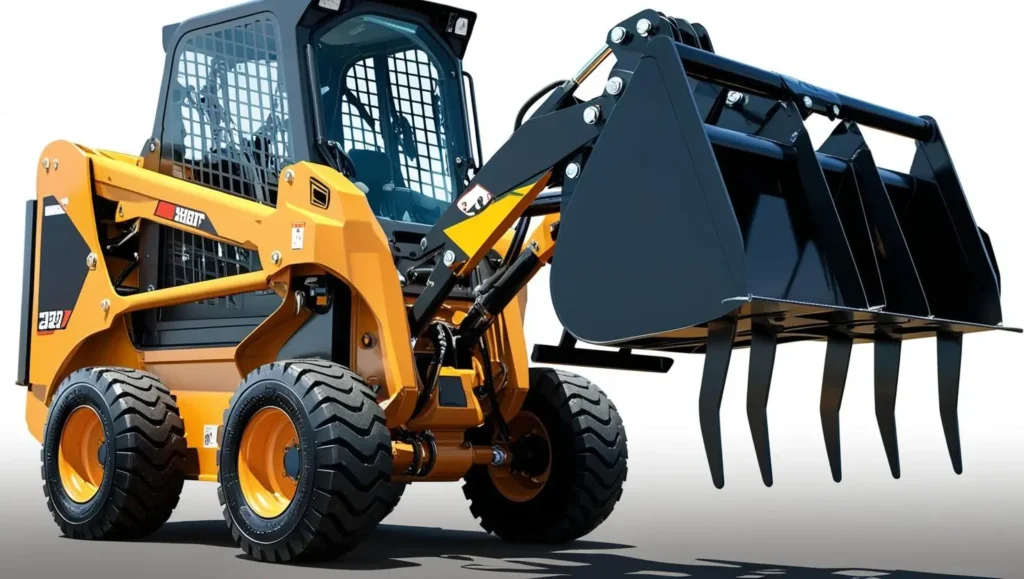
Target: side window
[[226, 123]]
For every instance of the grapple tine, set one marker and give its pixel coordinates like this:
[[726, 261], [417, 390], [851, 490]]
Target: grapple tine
[[950, 349], [721, 334], [762, 361], [887, 370], [837, 362]]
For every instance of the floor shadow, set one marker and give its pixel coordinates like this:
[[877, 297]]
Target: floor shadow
[[205, 533], [398, 547]]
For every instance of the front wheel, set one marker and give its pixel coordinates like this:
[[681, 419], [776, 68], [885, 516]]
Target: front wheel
[[305, 462], [569, 464]]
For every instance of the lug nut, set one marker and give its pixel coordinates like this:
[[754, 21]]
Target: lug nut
[[592, 114]]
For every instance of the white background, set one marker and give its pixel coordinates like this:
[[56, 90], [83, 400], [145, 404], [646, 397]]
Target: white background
[[90, 72]]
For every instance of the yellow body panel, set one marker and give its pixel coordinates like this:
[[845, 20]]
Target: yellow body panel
[[345, 241]]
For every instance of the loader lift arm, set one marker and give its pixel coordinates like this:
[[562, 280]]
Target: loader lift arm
[[881, 277]]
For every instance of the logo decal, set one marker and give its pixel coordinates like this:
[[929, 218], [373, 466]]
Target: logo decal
[[184, 216], [53, 321], [475, 200]]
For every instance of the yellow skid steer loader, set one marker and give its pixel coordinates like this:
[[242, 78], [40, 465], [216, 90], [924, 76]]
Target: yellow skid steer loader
[[310, 289]]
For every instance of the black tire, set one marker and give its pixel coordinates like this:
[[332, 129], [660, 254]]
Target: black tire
[[343, 487], [588, 465], [142, 454]]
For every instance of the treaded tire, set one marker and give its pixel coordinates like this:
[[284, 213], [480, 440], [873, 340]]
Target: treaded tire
[[143, 460], [343, 489], [588, 465]]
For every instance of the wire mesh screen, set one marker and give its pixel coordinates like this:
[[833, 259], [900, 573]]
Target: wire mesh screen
[[226, 125], [189, 258], [361, 133], [417, 99]]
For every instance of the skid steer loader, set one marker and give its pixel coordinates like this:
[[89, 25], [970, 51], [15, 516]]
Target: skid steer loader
[[309, 288]]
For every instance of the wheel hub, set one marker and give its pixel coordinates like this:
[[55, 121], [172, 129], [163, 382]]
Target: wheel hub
[[291, 462], [82, 454], [526, 476], [269, 462]]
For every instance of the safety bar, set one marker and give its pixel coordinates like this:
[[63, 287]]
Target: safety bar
[[742, 77]]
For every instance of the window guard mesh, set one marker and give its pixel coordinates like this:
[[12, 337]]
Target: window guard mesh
[[189, 258], [417, 96], [226, 127], [229, 104], [415, 116]]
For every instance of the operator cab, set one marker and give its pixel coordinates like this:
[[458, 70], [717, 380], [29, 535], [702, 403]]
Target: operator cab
[[372, 88]]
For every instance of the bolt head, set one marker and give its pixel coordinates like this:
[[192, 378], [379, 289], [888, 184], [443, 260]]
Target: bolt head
[[46, 163], [835, 110], [592, 114], [644, 27], [276, 257], [91, 260], [105, 305], [618, 35], [152, 147], [734, 97], [449, 258], [572, 170], [423, 243], [56, 163], [614, 85], [808, 102], [289, 176]]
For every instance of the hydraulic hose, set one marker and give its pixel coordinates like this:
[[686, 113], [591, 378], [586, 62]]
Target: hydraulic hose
[[533, 100]]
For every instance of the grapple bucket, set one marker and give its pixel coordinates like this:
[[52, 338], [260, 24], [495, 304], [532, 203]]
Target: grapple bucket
[[704, 219]]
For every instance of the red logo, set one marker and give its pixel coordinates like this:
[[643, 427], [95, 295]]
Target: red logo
[[184, 216]]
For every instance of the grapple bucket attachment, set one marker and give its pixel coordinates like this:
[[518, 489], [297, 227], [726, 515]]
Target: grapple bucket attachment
[[704, 219]]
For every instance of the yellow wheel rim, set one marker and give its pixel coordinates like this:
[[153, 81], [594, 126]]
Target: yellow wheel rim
[[266, 485], [517, 486], [78, 457]]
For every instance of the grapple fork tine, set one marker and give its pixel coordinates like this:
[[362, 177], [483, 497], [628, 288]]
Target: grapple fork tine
[[837, 362], [887, 370], [949, 353], [762, 361], [721, 334]]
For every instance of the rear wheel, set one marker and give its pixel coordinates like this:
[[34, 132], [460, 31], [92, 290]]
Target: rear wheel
[[569, 464], [113, 454], [305, 462]]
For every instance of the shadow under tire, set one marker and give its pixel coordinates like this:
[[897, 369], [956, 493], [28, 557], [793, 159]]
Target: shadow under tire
[[585, 471], [113, 454], [336, 455]]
